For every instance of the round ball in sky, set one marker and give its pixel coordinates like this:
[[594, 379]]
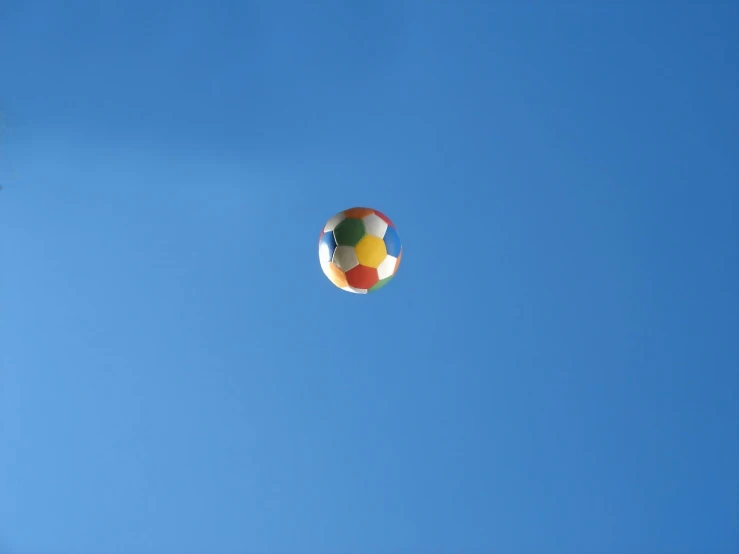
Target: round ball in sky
[[359, 250]]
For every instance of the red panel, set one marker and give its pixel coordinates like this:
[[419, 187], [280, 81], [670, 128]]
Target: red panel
[[362, 277]]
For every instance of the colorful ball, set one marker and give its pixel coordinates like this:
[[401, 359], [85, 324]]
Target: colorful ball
[[359, 250]]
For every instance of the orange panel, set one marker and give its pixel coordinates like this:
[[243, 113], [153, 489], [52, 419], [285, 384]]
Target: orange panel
[[397, 263], [334, 274], [358, 213]]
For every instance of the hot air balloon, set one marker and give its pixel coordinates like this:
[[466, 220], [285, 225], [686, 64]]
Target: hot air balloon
[[359, 250]]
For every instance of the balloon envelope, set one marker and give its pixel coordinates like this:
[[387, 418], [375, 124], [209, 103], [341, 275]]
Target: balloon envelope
[[359, 250]]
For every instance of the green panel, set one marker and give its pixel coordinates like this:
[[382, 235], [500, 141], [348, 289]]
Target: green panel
[[349, 232], [381, 284]]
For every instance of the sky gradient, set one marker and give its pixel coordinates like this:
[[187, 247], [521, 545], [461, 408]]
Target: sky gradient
[[554, 369]]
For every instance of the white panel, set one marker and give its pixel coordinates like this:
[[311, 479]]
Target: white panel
[[345, 257], [333, 222], [356, 291], [324, 252], [387, 267], [374, 225]]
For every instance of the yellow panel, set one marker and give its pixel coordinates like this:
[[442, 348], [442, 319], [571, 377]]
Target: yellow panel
[[370, 251]]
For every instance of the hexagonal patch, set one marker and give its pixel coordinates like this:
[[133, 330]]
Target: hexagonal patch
[[370, 251], [334, 274], [349, 232], [392, 242], [345, 257], [358, 213], [385, 218], [374, 225], [354, 290], [333, 222], [362, 277], [381, 283], [326, 247], [387, 267]]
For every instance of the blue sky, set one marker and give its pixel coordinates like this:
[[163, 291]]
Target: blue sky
[[554, 368]]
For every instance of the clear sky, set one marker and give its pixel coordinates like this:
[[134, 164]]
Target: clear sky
[[554, 369]]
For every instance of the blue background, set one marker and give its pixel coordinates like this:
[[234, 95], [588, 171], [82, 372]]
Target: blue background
[[554, 368]]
